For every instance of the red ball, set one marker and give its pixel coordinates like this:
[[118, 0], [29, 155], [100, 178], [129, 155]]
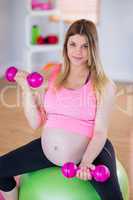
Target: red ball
[[40, 40], [52, 39]]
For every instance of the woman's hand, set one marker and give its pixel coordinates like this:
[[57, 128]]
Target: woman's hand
[[20, 78], [84, 171]]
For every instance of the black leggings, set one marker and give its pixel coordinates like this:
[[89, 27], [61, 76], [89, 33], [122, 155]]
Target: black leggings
[[30, 157]]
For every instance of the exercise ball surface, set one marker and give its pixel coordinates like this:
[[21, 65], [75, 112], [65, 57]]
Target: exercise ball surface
[[50, 184], [123, 180]]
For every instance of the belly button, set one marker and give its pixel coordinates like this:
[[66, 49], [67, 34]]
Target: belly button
[[55, 148]]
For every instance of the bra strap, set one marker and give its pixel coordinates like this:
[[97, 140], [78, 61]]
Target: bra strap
[[88, 77]]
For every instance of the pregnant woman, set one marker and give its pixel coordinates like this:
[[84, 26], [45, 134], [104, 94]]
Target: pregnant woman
[[73, 109]]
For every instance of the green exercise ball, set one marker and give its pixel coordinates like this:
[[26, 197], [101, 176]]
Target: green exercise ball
[[50, 184], [123, 180]]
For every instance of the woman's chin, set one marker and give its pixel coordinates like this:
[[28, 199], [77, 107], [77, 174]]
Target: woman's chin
[[77, 63]]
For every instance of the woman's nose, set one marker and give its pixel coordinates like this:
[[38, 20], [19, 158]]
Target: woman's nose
[[78, 51]]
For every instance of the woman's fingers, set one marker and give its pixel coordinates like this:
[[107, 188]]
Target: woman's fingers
[[89, 174], [92, 167], [83, 173], [21, 74], [21, 80]]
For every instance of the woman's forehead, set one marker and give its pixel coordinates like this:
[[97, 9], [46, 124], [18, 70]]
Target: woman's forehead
[[78, 38]]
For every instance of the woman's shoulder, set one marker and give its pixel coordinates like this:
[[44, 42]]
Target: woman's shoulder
[[110, 87], [108, 98]]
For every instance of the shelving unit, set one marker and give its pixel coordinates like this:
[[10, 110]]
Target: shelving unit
[[43, 51]]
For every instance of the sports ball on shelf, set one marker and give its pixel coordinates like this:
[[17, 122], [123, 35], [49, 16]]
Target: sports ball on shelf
[[40, 40], [51, 39]]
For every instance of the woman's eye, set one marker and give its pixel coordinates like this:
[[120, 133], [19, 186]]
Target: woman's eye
[[85, 46], [72, 44]]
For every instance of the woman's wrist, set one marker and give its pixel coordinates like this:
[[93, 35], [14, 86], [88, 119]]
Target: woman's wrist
[[26, 91], [26, 94], [86, 160]]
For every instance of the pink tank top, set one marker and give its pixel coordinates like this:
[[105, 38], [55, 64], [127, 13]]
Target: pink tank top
[[72, 110]]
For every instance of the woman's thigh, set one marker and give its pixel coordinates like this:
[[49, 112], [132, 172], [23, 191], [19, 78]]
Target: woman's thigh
[[110, 189], [24, 159]]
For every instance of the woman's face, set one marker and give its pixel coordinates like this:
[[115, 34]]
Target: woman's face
[[77, 49]]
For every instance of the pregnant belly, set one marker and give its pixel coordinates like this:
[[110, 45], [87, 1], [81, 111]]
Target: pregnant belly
[[61, 146]]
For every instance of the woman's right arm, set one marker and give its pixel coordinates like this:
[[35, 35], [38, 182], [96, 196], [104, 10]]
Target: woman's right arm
[[31, 111]]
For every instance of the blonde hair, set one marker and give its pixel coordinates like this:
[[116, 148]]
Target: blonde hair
[[99, 78]]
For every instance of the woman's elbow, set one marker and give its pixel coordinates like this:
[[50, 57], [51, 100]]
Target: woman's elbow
[[101, 127], [35, 124], [34, 128], [39, 124], [101, 133]]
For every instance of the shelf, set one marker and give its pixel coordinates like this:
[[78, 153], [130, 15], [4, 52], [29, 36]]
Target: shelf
[[44, 48], [37, 55]]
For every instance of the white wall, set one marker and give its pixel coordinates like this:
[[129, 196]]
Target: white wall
[[116, 38], [19, 12], [12, 39], [115, 35], [5, 39]]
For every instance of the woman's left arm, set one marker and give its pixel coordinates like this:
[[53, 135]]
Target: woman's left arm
[[103, 114], [98, 140]]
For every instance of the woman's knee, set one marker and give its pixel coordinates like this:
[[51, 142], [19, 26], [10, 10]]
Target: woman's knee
[[7, 184], [107, 157]]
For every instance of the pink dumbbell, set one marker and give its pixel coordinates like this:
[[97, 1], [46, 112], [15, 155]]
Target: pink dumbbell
[[34, 79], [101, 173]]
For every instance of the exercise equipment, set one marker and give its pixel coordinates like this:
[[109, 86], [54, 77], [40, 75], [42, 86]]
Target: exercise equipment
[[50, 184], [34, 79], [101, 173]]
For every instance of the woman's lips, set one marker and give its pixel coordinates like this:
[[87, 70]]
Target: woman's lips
[[77, 58]]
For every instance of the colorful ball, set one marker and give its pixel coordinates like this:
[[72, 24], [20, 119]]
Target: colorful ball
[[52, 39], [123, 180], [50, 184], [40, 40]]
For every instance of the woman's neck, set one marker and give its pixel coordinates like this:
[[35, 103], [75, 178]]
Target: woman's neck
[[78, 71], [77, 77]]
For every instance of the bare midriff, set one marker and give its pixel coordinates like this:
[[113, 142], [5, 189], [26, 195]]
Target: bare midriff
[[61, 146]]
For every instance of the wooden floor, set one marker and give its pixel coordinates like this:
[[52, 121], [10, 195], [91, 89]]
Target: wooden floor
[[14, 129]]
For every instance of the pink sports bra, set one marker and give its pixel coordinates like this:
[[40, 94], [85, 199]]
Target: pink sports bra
[[72, 110]]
